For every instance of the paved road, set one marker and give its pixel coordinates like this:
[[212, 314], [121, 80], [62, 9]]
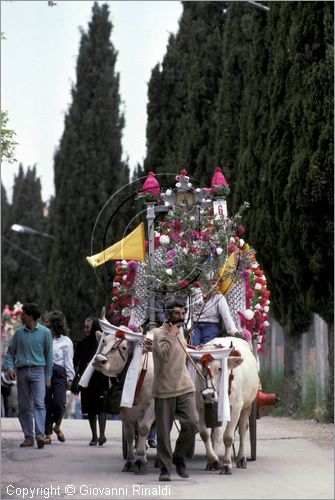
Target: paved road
[[289, 465]]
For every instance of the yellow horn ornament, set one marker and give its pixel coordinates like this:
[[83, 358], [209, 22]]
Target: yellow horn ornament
[[228, 270]]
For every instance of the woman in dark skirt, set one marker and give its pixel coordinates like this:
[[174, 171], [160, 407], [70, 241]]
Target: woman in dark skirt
[[94, 395], [62, 374]]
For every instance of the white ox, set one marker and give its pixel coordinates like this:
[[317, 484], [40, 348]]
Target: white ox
[[112, 360], [244, 388]]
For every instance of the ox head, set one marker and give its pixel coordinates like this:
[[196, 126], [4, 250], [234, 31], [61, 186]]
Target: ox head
[[212, 369], [113, 356]]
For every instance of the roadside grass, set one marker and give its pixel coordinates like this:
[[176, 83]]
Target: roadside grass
[[307, 407]]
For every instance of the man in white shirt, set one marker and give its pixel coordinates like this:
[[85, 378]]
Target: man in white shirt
[[207, 310]]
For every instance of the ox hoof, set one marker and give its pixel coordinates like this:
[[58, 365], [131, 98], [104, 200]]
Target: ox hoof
[[140, 467], [226, 470], [241, 463], [128, 467], [213, 465]]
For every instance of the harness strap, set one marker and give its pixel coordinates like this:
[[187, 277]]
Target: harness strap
[[191, 361], [142, 376], [230, 381]]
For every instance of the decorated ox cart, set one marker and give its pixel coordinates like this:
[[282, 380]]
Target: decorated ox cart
[[191, 240]]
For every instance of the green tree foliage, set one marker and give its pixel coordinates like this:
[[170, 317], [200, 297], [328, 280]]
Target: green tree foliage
[[270, 110], [89, 172], [24, 255], [182, 94], [7, 139], [277, 92]]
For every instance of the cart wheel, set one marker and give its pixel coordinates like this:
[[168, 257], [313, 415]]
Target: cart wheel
[[253, 430], [124, 445]]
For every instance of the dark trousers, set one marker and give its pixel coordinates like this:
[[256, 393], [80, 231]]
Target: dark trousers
[[55, 398], [184, 409]]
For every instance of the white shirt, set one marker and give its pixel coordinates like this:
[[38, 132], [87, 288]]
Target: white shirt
[[210, 311], [62, 354]]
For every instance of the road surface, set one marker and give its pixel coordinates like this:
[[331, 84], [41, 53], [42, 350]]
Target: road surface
[[295, 460]]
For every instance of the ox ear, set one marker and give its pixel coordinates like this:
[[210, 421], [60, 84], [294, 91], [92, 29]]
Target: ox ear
[[234, 361], [98, 335]]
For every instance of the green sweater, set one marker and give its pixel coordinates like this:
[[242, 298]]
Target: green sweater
[[171, 376], [31, 348]]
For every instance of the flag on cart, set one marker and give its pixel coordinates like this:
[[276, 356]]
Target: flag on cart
[[131, 247]]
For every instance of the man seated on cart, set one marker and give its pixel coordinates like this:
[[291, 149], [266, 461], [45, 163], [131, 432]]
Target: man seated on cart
[[207, 310]]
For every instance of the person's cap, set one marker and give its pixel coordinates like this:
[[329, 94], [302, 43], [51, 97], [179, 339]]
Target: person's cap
[[175, 302]]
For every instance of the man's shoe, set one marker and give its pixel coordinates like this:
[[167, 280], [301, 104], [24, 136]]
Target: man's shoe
[[93, 442], [180, 467], [40, 440], [27, 443], [164, 475], [152, 443]]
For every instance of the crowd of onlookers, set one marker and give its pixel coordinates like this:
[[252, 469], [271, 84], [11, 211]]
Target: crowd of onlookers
[[39, 369]]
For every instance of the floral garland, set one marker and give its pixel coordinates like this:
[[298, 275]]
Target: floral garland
[[255, 318], [123, 298]]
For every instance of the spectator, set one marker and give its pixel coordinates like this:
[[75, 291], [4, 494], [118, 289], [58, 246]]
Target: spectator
[[93, 397], [62, 375], [173, 391], [30, 352]]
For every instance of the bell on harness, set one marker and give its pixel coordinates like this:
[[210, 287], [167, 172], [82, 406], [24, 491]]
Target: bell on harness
[[211, 415]]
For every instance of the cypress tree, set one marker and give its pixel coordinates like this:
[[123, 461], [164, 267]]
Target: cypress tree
[[24, 257], [309, 193], [89, 172], [182, 95], [5, 237], [268, 96]]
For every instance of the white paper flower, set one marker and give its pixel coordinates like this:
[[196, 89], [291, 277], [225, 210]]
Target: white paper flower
[[248, 314], [116, 283], [185, 251], [241, 243], [192, 218], [219, 250], [197, 190], [266, 309], [254, 265], [124, 277], [189, 184], [266, 324], [258, 307], [169, 271], [232, 240], [125, 311], [164, 239], [258, 286], [168, 192], [178, 185]]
